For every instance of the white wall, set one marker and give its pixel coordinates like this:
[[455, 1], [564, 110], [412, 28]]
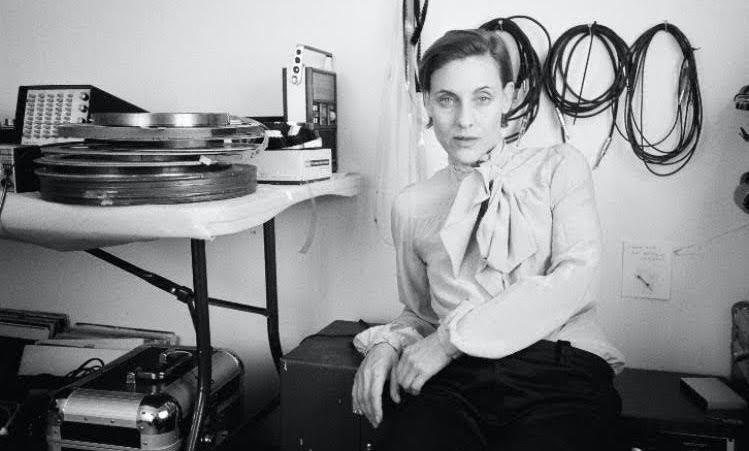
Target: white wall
[[226, 56]]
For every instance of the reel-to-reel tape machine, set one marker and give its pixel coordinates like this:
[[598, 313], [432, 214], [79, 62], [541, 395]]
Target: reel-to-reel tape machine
[[152, 158]]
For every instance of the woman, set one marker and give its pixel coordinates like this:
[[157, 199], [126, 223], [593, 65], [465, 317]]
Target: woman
[[497, 260]]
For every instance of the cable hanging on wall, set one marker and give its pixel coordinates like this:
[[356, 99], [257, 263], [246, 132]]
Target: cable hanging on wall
[[528, 82], [687, 123], [569, 100], [413, 20]]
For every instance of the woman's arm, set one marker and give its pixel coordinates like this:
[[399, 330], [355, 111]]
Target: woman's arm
[[413, 287], [399, 333], [381, 360], [534, 307]]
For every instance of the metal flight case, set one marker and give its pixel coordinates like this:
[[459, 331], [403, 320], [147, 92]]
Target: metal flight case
[[144, 400]]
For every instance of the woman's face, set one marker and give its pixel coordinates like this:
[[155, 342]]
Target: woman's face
[[466, 103]]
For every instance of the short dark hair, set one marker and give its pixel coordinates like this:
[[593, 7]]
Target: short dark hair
[[459, 44]]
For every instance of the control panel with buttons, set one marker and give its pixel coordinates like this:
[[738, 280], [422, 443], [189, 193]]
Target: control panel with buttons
[[47, 109], [42, 109]]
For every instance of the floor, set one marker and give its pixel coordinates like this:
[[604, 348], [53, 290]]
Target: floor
[[261, 436]]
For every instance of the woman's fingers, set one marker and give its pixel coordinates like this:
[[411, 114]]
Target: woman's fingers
[[419, 362], [406, 375], [369, 382], [367, 408], [357, 391], [374, 403], [394, 387], [417, 383]]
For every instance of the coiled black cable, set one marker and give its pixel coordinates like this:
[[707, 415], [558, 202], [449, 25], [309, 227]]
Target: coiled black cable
[[528, 81], [688, 119], [570, 101], [85, 368], [420, 17]]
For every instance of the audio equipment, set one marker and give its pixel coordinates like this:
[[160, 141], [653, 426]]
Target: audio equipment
[[293, 166], [569, 100], [309, 94], [8, 413], [17, 168], [142, 150], [294, 155], [8, 133], [138, 184], [144, 401], [529, 80], [93, 131], [163, 119], [41, 109], [664, 155], [152, 158]]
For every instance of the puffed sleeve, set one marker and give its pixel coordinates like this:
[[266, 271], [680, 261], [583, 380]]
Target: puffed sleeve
[[413, 287], [534, 307]]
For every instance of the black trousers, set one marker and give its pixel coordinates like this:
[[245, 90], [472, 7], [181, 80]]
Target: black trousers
[[547, 397]]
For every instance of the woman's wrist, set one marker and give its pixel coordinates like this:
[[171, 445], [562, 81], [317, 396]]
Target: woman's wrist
[[385, 344], [443, 336]]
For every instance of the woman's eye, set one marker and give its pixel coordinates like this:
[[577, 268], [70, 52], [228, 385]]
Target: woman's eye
[[446, 101], [485, 99]]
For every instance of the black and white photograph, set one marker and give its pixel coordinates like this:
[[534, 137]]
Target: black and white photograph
[[384, 225]]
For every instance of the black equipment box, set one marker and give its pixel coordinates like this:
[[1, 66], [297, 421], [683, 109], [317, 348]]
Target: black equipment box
[[17, 168], [42, 108], [144, 401], [316, 381], [658, 416]]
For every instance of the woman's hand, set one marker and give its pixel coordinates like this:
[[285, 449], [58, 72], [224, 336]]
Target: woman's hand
[[419, 362], [366, 394]]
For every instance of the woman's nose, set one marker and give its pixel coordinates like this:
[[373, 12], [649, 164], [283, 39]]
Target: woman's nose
[[465, 116]]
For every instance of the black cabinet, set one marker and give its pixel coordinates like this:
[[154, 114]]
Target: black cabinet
[[316, 380]]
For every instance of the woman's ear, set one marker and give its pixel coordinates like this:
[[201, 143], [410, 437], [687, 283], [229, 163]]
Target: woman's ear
[[427, 108]]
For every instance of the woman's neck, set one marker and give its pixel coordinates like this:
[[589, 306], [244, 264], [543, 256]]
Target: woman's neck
[[495, 156]]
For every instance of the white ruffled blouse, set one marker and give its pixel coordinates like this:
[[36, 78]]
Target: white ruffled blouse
[[528, 270]]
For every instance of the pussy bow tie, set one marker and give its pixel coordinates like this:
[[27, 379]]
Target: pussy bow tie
[[503, 235]]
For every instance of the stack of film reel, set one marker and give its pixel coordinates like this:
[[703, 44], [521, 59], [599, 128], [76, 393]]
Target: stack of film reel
[[152, 158]]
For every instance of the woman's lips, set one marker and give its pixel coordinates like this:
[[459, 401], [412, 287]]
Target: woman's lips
[[465, 140]]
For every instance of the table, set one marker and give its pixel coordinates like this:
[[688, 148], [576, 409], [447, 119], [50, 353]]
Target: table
[[27, 218]]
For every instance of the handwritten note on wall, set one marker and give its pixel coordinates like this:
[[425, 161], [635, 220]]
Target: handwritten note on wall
[[646, 269]]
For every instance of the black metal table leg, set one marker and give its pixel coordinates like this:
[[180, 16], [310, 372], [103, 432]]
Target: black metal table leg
[[197, 300], [202, 338], [271, 291], [182, 293]]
